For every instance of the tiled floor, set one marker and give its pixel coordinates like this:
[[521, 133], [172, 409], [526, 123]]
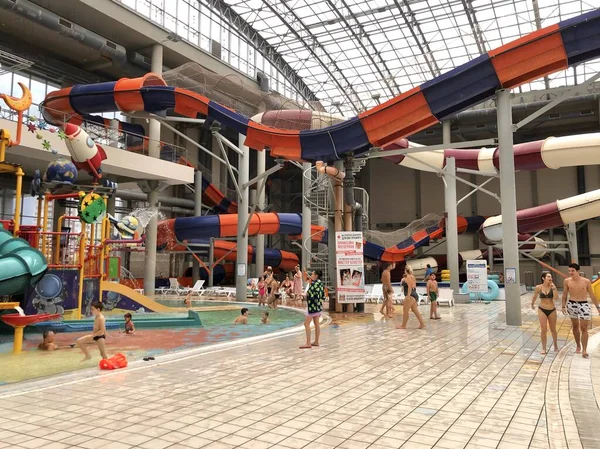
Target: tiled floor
[[467, 381]]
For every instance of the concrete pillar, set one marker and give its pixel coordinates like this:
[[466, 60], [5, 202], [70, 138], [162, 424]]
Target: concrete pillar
[[197, 212], [241, 274], [114, 133], [252, 240], [261, 162], [451, 223], [510, 243], [211, 260], [571, 230], [153, 151], [451, 211], [306, 215]]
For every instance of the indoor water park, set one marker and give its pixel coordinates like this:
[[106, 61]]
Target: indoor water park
[[263, 224]]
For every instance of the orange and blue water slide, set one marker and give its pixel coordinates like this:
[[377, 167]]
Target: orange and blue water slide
[[533, 56], [192, 230]]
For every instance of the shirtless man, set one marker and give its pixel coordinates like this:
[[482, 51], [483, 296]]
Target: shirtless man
[[576, 288], [98, 335], [388, 291], [432, 294]]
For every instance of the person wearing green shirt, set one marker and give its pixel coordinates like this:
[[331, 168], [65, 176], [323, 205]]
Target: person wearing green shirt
[[314, 301]]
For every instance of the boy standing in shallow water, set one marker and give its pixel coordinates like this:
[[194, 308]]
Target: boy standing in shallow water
[[98, 335]]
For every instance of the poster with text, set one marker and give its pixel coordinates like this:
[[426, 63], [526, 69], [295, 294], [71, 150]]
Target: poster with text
[[477, 276], [350, 267]]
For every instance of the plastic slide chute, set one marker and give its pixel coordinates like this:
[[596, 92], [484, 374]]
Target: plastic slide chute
[[21, 266], [550, 215], [543, 52]]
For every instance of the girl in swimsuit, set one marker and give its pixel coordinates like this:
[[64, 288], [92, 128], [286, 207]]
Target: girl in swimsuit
[[546, 310]]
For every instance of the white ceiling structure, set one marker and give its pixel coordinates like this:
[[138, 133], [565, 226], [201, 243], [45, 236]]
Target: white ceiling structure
[[353, 54]]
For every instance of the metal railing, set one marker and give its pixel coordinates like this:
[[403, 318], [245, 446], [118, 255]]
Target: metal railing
[[104, 135]]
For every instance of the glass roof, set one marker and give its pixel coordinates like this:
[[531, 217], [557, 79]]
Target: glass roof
[[356, 53]]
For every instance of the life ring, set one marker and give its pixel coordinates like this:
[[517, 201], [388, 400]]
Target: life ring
[[490, 295]]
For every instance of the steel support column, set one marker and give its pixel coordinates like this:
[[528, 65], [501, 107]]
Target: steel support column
[[306, 216], [197, 212], [261, 163], [510, 242], [241, 269], [153, 151], [571, 230], [451, 211], [451, 223]]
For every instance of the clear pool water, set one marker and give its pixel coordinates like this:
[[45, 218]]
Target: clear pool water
[[280, 318]]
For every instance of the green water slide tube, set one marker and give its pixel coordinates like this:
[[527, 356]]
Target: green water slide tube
[[20, 265]]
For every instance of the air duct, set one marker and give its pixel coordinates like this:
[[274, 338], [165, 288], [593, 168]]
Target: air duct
[[355, 206], [64, 27]]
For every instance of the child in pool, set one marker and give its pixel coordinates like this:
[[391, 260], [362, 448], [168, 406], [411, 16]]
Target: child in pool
[[129, 326], [264, 318], [262, 287]]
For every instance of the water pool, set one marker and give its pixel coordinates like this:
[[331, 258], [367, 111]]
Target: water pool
[[217, 327], [280, 318]]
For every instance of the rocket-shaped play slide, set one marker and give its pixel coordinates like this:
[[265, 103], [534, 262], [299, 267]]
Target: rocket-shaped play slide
[[20, 265]]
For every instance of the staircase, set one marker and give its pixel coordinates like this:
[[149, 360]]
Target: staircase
[[320, 211]]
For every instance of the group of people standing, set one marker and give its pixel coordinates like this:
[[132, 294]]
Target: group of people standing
[[574, 303], [269, 287], [411, 297]]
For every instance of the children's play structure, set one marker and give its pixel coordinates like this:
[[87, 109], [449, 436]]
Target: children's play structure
[[61, 272]]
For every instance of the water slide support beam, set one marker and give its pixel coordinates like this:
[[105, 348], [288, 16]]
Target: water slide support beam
[[510, 243], [153, 151], [197, 212], [261, 162], [306, 214], [571, 230], [581, 88], [411, 150], [230, 167], [241, 274], [211, 258], [479, 187], [451, 215], [193, 142]]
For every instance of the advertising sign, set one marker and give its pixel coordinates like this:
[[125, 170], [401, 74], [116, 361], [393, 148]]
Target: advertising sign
[[477, 276], [350, 267]]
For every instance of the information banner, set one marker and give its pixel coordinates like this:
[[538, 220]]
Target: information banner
[[477, 276], [350, 267]]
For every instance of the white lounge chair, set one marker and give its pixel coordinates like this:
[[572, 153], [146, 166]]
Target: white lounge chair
[[446, 295], [198, 288], [376, 294], [175, 288]]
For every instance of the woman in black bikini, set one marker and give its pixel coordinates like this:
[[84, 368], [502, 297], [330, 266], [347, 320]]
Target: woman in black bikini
[[546, 310]]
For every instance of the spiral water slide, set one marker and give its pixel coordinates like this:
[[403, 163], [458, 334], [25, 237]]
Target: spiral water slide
[[533, 56]]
